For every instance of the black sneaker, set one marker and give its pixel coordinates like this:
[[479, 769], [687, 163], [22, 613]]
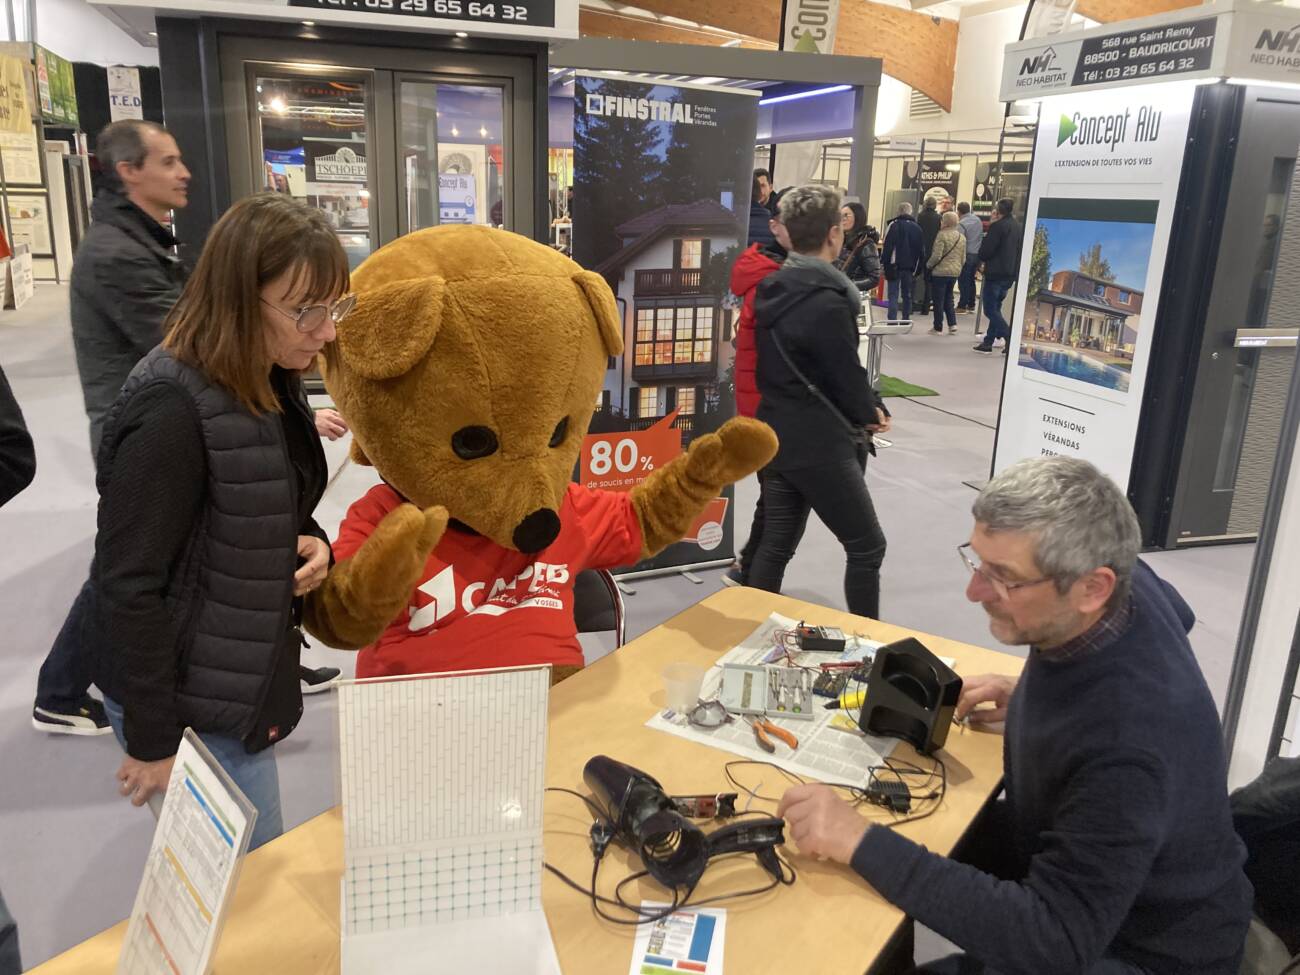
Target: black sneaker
[[983, 349], [88, 719], [318, 680]]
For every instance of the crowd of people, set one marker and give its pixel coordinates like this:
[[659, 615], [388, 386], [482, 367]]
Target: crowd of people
[[1113, 850]]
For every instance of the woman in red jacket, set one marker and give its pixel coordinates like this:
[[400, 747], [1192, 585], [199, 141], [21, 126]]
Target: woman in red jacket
[[751, 267]]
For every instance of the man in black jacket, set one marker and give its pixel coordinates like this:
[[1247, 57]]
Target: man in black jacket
[[928, 220], [17, 468], [126, 277], [1000, 252], [124, 283]]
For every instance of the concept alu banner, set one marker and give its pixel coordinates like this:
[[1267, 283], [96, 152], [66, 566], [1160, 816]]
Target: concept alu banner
[[1092, 260], [661, 190]]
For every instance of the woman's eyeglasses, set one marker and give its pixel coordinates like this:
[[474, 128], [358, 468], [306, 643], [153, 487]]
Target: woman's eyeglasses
[[308, 318]]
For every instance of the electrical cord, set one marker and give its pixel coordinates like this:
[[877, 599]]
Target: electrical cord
[[940, 409], [678, 901], [900, 768]]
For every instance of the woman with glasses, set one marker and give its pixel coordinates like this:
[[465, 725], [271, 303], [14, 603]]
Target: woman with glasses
[[209, 472]]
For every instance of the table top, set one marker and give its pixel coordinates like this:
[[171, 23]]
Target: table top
[[285, 915]]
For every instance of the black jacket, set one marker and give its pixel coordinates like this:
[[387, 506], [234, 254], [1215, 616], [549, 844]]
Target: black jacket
[[759, 231], [812, 317], [201, 506], [929, 221], [860, 262], [17, 455], [124, 282], [1000, 249], [902, 247]]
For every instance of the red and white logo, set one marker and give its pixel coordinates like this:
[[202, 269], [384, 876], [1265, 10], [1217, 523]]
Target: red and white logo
[[537, 587]]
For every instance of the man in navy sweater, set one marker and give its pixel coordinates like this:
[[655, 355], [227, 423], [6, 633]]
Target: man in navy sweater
[[1117, 852]]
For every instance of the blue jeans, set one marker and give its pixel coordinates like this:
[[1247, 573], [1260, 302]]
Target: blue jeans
[[255, 774], [995, 290], [900, 285], [966, 283], [65, 675]]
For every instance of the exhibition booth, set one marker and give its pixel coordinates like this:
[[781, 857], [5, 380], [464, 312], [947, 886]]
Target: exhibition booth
[[1153, 331]]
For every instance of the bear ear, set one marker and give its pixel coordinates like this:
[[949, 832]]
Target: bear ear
[[604, 308], [391, 328]]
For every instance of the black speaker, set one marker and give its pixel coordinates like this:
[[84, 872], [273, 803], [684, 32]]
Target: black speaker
[[911, 694]]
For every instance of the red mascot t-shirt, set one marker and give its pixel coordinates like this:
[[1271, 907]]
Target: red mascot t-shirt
[[480, 605]]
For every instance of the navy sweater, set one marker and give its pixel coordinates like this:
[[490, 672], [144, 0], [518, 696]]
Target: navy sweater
[[1116, 782]]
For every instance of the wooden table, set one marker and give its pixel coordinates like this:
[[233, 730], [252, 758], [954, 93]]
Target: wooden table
[[285, 914]]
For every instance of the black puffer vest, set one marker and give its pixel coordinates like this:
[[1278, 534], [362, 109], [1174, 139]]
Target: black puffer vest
[[231, 592]]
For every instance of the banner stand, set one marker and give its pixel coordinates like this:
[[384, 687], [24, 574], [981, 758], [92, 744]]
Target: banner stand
[[662, 178]]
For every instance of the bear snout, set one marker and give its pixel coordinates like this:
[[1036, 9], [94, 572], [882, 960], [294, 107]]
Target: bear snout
[[537, 530]]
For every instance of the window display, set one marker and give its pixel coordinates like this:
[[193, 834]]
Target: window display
[[316, 146]]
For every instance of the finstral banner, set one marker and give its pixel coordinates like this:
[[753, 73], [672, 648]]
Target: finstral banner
[[1101, 205], [661, 182]]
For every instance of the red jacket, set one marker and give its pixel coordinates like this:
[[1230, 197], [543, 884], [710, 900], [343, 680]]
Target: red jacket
[[750, 268]]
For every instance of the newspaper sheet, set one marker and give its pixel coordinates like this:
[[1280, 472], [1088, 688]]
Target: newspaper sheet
[[826, 753]]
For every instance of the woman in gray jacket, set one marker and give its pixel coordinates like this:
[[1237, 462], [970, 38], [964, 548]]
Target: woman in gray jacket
[[945, 264]]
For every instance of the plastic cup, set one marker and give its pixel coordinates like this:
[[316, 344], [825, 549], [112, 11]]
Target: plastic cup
[[682, 683]]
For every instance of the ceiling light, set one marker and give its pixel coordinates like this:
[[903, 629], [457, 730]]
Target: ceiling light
[[309, 23], [278, 105], [708, 81], [804, 94], [734, 42], [482, 131], [461, 33], [153, 33], [455, 132]]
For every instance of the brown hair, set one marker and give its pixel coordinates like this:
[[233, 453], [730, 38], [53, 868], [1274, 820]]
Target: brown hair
[[217, 326]]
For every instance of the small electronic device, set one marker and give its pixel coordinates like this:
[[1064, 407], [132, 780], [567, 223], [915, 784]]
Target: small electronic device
[[820, 639], [891, 793], [782, 692], [719, 806], [830, 684]]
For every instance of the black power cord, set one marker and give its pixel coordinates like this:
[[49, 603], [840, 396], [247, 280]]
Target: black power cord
[[603, 828]]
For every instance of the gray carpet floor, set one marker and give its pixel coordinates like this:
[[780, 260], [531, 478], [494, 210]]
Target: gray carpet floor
[[71, 851]]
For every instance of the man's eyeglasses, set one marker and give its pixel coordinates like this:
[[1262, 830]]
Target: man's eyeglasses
[[308, 318], [1001, 587]]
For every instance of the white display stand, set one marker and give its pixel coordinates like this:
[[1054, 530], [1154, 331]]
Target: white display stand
[[189, 878], [442, 786]]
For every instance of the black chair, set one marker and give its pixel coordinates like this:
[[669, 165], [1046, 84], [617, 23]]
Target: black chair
[[598, 605], [1266, 814]]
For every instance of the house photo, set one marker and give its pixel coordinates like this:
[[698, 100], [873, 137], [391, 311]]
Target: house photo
[[676, 334]]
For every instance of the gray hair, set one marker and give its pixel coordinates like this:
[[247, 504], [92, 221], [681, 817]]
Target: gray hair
[[904, 209], [1080, 518], [809, 214], [949, 219], [123, 142]]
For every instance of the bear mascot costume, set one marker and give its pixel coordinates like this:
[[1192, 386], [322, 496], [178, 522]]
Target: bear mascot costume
[[468, 372]]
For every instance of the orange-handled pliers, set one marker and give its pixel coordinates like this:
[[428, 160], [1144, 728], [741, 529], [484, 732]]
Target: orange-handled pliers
[[763, 727]]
